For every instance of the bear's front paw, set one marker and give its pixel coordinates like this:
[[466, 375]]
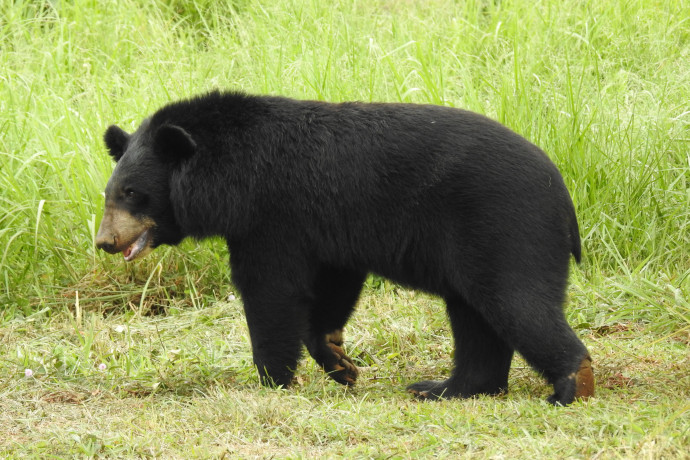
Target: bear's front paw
[[343, 369]]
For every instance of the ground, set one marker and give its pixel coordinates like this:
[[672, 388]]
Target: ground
[[183, 385]]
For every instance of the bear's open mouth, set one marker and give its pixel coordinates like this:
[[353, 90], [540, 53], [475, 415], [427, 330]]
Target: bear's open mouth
[[137, 248]]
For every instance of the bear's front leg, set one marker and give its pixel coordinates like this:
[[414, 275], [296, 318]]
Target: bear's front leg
[[334, 295], [275, 328], [275, 298], [276, 324]]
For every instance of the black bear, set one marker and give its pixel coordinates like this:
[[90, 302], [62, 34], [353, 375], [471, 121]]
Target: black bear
[[311, 196]]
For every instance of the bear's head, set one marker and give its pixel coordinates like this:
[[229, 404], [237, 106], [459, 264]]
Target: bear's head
[[139, 215]]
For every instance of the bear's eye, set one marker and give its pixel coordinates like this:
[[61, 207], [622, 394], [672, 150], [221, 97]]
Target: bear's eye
[[129, 193]]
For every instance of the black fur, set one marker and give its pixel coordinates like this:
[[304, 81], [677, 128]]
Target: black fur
[[311, 196]]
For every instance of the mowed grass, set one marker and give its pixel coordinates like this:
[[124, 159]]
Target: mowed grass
[[602, 87]]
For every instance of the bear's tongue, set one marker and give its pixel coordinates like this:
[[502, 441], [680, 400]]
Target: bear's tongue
[[135, 248]]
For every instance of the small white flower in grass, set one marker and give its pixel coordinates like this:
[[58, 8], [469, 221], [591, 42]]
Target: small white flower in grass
[[28, 373], [231, 297], [102, 367]]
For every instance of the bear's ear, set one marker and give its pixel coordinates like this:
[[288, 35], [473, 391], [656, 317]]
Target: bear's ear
[[173, 143], [116, 140]]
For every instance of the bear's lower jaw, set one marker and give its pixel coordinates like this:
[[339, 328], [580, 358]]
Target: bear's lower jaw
[[140, 247]]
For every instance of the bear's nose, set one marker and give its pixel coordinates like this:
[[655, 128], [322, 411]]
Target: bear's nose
[[107, 244], [107, 247]]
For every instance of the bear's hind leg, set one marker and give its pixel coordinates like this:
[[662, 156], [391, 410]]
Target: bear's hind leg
[[336, 293], [555, 351], [482, 358], [530, 317]]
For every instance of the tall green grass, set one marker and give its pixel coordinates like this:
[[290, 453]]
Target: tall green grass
[[602, 87]]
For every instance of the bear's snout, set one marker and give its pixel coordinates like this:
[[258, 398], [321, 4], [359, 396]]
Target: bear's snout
[[121, 232]]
